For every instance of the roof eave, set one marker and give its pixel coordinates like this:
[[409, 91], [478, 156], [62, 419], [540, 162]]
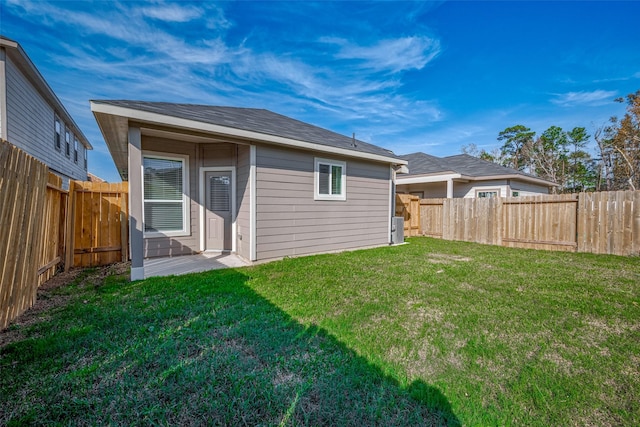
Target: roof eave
[[99, 108]]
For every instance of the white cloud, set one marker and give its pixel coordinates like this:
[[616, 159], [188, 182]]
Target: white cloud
[[391, 55], [584, 98], [172, 12]]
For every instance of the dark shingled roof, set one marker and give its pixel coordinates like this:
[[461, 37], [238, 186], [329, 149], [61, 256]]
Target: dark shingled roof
[[464, 164], [253, 120]]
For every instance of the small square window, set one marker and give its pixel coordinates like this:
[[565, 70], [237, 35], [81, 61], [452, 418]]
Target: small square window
[[330, 180], [515, 194]]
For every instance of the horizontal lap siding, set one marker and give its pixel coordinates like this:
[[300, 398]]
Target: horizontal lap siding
[[243, 200], [429, 190], [290, 222], [527, 188], [30, 126]]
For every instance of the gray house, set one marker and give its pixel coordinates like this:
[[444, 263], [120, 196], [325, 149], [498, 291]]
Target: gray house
[[466, 176], [247, 181], [33, 118]]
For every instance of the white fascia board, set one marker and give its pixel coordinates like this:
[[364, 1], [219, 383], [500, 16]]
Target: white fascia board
[[426, 179], [145, 116]]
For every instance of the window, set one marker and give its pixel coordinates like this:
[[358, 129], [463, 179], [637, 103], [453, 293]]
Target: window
[[166, 209], [58, 134], [85, 159], [515, 194], [67, 143], [330, 180], [487, 194], [75, 150]]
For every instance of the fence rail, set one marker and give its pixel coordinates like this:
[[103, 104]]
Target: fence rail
[[601, 223], [43, 226]]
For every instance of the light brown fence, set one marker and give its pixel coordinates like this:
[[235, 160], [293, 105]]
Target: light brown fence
[[408, 207], [42, 225], [603, 223], [53, 231], [23, 185], [98, 226]]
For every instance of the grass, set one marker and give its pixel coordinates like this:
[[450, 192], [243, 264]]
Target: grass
[[433, 332]]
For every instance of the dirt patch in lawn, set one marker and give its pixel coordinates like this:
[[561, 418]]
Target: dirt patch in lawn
[[49, 299], [437, 258]]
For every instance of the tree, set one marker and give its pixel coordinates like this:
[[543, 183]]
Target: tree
[[548, 156], [581, 166], [619, 145], [516, 140], [472, 149]]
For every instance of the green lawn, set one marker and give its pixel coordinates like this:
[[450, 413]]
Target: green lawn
[[432, 332]]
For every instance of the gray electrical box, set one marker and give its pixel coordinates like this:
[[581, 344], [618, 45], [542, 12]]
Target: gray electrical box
[[397, 230]]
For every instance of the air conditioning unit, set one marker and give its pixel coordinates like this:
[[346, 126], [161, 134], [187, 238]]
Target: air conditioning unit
[[397, 230]]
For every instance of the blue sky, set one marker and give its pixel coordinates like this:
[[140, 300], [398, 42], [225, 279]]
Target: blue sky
[[408, 76]]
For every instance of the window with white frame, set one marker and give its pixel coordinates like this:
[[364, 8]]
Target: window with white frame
[[57, 139], [486, 193], [67, 142], [75, 150], [85, 158], [330, 180], [166, 203]]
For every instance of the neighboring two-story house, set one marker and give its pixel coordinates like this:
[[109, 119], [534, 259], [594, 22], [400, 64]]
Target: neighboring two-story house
[[33, 118]]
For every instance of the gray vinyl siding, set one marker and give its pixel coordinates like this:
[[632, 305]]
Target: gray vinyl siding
[[243, 201], [290, 222], [30, 126], [180, 245], [431, 190]]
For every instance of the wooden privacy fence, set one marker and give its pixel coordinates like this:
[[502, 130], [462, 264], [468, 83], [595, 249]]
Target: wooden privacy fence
[[601, 223], [98, 225], [23, 194], [42, 226], [408, 207]]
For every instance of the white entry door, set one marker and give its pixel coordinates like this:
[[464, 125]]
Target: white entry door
[[218, 210]]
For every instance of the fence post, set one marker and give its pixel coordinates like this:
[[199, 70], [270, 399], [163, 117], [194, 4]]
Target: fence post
[[70, 228]]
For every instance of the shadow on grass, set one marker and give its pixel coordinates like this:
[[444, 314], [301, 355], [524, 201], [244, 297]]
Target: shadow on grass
[[193, 350]]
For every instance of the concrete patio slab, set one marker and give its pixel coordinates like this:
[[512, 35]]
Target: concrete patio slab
[[191, 264]]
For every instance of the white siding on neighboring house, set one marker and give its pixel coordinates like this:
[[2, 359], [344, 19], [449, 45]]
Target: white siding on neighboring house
[[470, 189], [30, 126], [290, 222], [527, 188]]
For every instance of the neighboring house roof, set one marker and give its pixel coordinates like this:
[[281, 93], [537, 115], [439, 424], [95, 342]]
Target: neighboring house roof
[[461, 166], [15, 52], [244, 123]]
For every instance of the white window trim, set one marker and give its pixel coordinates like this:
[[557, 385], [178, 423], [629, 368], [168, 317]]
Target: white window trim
[[316, 181], [186, 200], [498, 192], [57, 133]]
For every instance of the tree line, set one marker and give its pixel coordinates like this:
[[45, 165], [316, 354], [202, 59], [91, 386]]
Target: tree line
[[561, 156]]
